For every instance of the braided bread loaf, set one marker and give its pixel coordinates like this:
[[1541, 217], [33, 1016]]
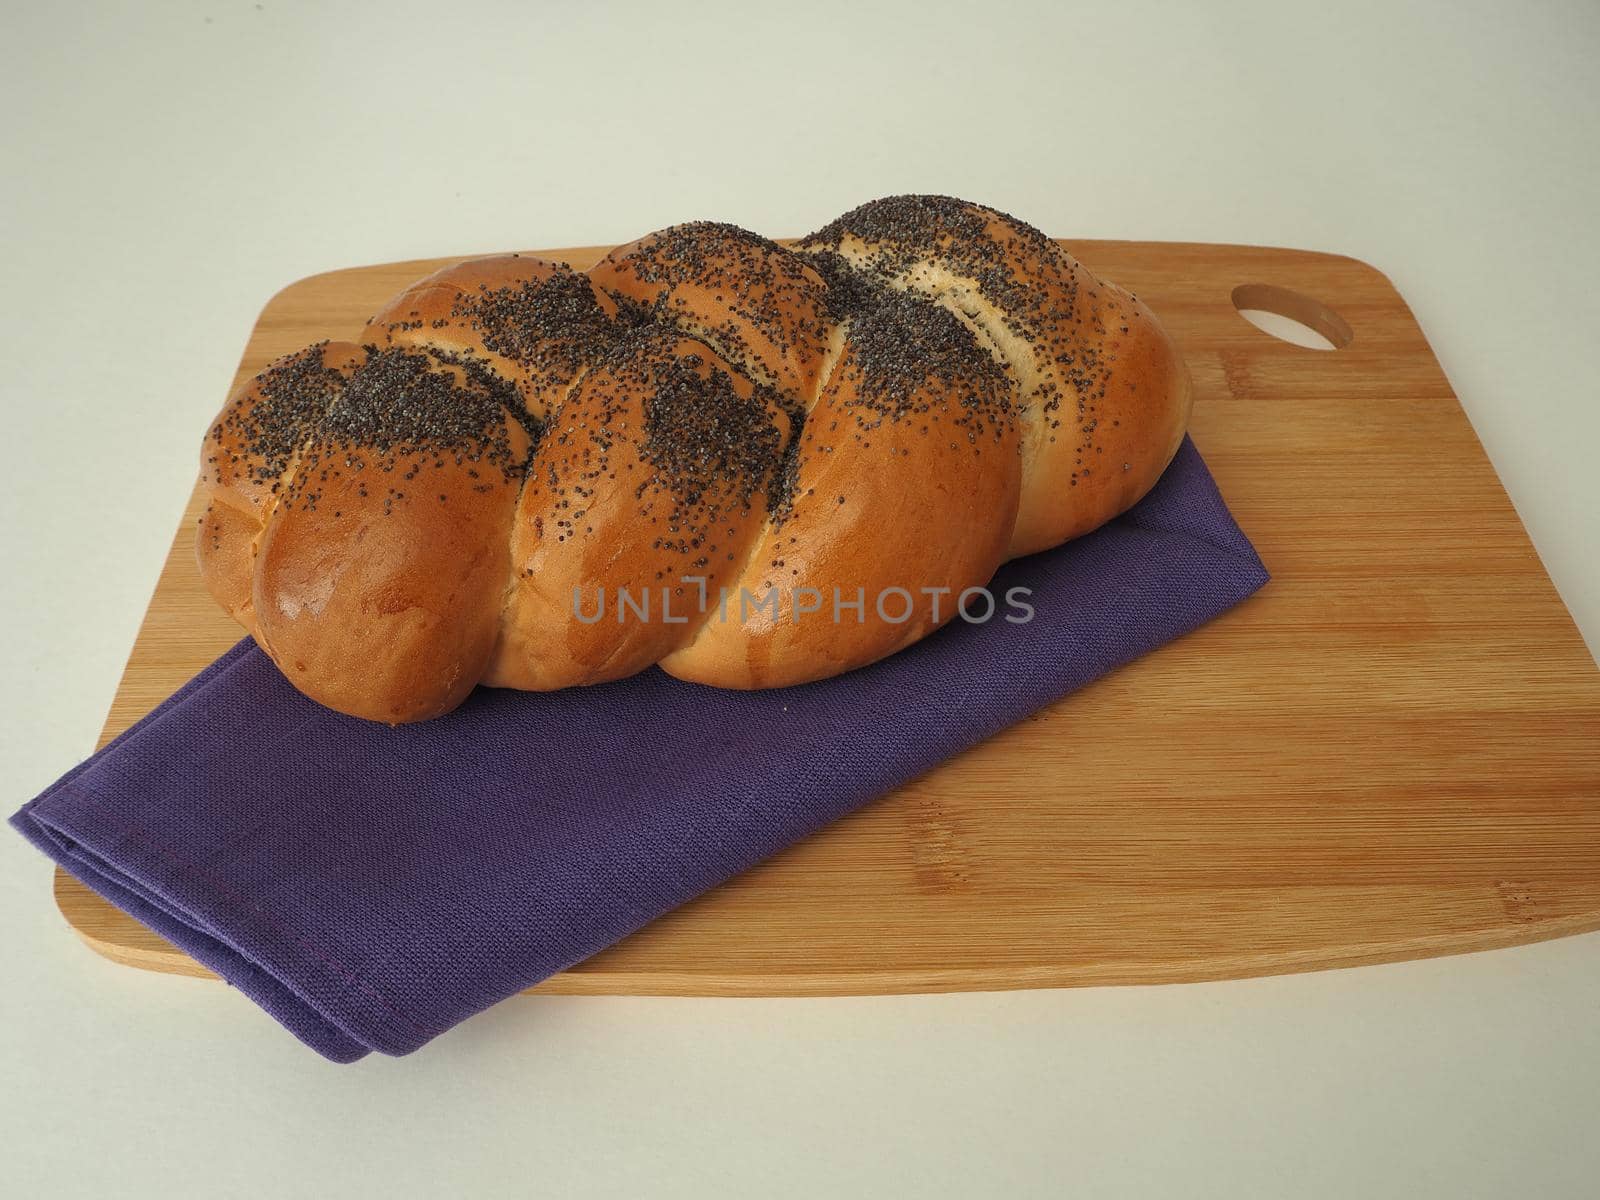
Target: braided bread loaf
[[709, 452]]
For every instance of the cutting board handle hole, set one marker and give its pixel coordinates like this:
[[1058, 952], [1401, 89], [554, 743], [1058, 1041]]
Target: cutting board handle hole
[[1292, 317]]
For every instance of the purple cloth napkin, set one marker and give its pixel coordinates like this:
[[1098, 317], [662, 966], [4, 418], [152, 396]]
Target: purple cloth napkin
[[371, 887]]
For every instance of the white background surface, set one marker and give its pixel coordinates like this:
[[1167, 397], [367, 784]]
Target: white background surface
[[165, 172]]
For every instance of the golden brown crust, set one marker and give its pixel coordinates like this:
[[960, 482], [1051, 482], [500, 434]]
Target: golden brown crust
[[763, 307], [248, 453], [531, 321], [386, 612], [379, 577], [756, 466], [1133, 424], [628, 517], [864, 563], [1103, 397]]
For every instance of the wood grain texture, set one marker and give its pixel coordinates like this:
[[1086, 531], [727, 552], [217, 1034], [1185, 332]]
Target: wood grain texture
[[1392, 751]]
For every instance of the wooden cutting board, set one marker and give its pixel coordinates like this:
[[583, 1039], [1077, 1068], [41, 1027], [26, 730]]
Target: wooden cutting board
[[1392, 751]]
